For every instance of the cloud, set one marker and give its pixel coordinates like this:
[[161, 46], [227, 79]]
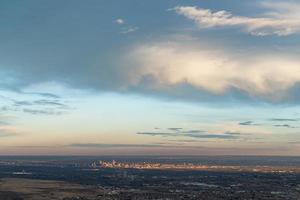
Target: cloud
[[129, 30], [174, 129], [49, 95], [180, 130], [50, 104], [194, 134], [58, 59], [168, 64], [45, 102], [284, 119], [102, 145], [246, 123], [42, 111], [7, 132], [23, 103], [282, 19], [284, 126], [119, 21], [158, 133], [42, 94], [232, 133], [184, 141], [192, 131], [249, 123], [2, 123], [211, 136]]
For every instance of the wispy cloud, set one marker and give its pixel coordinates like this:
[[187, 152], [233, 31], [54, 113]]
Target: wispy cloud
[[211, 136], [158, 133], [3, 123], [129, 30], [284, 119], [281, 19], [102, 145], [7, 132], [45, 102], [34, 103], [42, 94], [41, 102], [119, 21], [42, 111], [125, 29], [284, 126], [49, 95], [192, 131], [174, 129], [232, 133], [249, 123], [193, 134]]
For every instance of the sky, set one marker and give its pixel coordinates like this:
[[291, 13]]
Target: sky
[[150, 77]]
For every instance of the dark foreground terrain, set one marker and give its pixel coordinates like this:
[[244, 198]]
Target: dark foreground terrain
[[78, 178], [17, 188]]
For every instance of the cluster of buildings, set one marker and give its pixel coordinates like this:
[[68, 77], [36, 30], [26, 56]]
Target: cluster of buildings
[[146, 165], [190, 166]]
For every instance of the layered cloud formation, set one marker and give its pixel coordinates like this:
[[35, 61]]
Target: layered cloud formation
[[92, 57], [283, 19], [168, 64]]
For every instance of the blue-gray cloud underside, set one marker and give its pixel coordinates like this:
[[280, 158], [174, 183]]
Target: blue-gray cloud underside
[[249, 123], [252, 123], [42, 103], [284, 119], [284, 126], [194, 134]]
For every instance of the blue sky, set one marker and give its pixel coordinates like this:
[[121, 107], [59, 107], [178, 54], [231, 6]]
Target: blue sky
[[150, 77]]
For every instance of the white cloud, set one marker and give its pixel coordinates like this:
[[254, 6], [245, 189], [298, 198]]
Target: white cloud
[[129, 30], [282, 19], [216, 71], [119, 21]]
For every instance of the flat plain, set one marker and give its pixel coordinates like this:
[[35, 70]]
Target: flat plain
[[31, 189]]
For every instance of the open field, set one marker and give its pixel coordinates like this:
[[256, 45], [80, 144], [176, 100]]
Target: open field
[[19, 189]]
